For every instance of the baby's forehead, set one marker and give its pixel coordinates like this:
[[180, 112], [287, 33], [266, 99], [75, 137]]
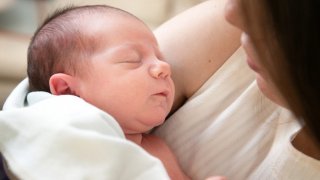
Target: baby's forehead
[[96, 30], [99, 27], [102, 22], [104, 15]]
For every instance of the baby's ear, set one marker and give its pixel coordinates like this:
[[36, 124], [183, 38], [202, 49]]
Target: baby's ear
[[61, 83]]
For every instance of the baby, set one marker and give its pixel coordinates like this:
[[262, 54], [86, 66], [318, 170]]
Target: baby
[[111, 59]]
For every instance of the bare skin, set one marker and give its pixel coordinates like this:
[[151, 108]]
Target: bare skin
[[158, 148]]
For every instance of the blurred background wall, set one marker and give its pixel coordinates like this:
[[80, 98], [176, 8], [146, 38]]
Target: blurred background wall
[[20, 18]]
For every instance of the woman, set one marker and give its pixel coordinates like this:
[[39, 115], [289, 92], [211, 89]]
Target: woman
[[282, 48], [281, 42]]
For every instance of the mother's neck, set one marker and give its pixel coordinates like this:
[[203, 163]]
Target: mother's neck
[[306, 144]]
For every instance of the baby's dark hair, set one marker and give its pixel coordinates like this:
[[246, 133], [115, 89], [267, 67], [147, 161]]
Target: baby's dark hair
[[60, 45]]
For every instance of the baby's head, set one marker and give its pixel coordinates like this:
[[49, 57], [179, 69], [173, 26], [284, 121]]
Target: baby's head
[[63, 44], [107, 57]]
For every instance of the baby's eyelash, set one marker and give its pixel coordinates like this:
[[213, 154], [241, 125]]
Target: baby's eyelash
[[133, 61]]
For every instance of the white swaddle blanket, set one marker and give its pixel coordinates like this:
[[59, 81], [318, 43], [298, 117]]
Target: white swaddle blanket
[[63, 137]]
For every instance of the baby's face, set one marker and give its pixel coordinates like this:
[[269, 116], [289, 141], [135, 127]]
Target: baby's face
[[128, 77]]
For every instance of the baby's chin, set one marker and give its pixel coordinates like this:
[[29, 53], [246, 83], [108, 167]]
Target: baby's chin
[[154, 123], [154, 118], [144, 125]]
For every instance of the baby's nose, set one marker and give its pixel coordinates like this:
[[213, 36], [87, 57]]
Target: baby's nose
[[160, 69]]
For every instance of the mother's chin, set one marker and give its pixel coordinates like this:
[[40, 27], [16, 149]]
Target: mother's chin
[[270, 90]]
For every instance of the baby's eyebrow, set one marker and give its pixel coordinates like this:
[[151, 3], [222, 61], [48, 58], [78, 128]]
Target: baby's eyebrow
[[119, 48], [124, 52]]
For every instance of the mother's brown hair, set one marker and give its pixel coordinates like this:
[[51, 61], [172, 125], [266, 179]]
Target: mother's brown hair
[[286, 35]]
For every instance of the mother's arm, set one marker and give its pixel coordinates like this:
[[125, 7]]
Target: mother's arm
[[196, 43]]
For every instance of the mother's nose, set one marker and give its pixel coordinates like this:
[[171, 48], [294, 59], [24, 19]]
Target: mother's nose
[[160, 69], [233, 13]]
